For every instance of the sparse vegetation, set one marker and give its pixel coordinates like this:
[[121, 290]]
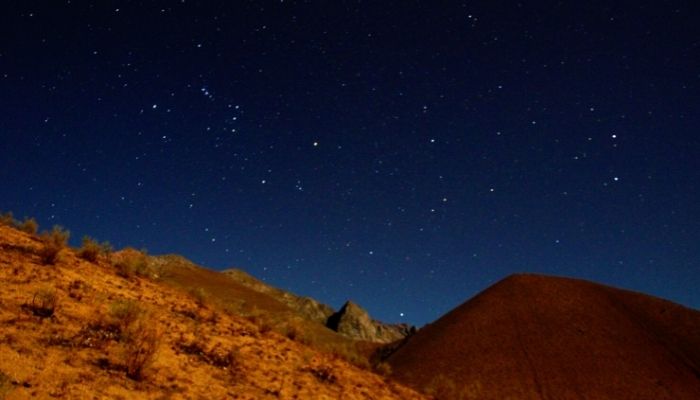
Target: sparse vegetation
[[91, 249], [7, 219], [29, 225], [53, 242], [101, 332], [140, 344], [123, 314], [132, 262]]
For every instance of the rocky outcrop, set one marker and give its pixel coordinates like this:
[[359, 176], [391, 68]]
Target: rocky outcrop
[[353, 321]]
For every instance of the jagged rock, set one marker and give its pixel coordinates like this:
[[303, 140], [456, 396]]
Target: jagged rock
[[353, 321]]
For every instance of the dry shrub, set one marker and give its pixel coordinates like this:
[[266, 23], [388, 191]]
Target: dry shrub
[[132, 262], [140, 344], [111, 324], [91, 249], [29, 225], [53, 243], [44, 303], [7, 219], [123, 314]]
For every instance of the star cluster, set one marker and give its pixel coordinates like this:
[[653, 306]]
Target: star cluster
[[402, 154]]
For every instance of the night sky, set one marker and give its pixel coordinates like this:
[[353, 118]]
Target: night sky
[[403, 154]]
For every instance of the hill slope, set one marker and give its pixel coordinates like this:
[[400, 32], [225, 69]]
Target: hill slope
[[105, 329], [536, 337], [357, 322]]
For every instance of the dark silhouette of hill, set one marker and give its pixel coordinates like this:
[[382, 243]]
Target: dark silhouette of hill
[[538, 337]]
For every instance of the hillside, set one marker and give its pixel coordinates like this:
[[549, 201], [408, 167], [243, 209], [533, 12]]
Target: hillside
[[351, 320], [536, 337], [115, 327]]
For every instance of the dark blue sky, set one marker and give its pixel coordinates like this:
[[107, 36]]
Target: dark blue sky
[[404, 154]]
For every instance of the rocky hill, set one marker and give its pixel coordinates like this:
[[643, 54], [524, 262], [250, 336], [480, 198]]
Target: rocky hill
[[89, 323], [351, 320], [354, 322]]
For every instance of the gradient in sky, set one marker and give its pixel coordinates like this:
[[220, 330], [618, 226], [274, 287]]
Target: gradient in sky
[[403, 154]]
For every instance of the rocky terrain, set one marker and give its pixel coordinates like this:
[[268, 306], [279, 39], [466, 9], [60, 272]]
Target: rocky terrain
[[351, 320], [81, 324], [89, 322]]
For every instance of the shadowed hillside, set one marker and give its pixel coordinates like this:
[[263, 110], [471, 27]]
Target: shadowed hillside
[[536, 337], [88, 323]]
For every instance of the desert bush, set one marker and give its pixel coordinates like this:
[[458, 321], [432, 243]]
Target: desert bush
[[140, 344], [90, 250], [44, 303], [132, 263], [7, 219], [106, 249], [53, 243], [29, 225], [123, 314]]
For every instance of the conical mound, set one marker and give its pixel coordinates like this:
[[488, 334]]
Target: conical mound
[[537, 337]]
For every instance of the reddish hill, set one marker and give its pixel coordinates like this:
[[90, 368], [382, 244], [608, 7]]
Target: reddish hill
[[537, 337]]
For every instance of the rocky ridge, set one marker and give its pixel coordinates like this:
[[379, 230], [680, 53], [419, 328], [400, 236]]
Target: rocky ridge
[[351, 320]]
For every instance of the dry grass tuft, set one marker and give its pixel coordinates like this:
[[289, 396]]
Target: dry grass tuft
[[140, 344]]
